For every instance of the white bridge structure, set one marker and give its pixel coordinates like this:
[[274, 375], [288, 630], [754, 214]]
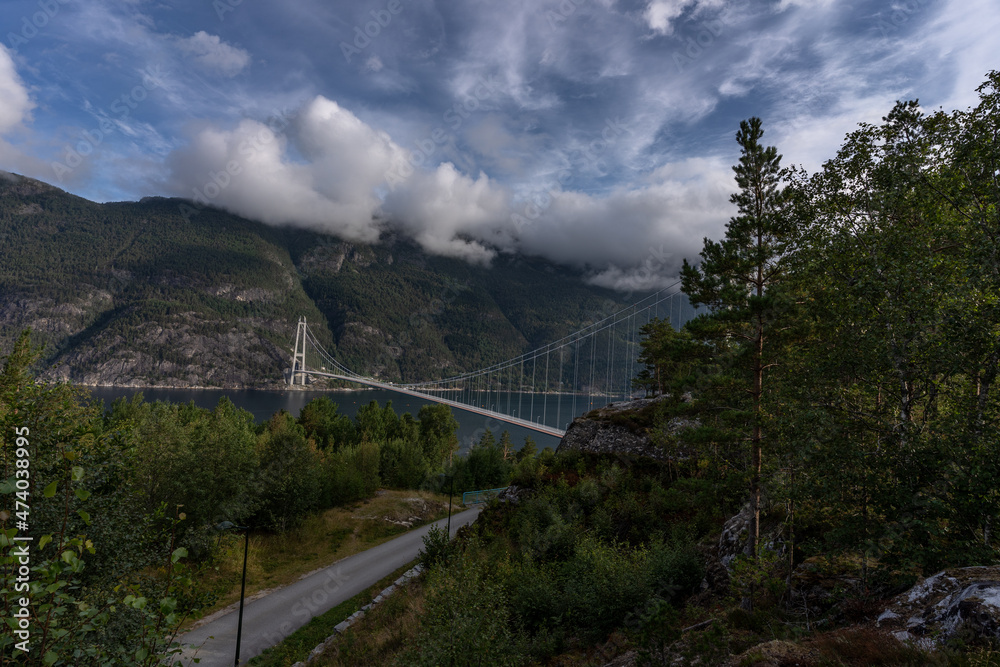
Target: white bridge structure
[[541, 390]]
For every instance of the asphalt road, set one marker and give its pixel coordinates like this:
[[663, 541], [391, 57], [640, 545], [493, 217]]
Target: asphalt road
[[268, 620]]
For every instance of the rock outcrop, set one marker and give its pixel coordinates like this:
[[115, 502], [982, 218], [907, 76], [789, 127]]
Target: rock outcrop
[[960, 602], [619, 428]]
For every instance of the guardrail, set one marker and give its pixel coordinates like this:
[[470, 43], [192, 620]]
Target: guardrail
[[475, 497]]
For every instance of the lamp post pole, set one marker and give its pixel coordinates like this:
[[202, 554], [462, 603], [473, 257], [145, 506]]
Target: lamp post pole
[[451, 492], [243, 590], [229, 525]]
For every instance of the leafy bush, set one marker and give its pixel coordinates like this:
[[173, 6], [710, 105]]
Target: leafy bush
[[402, 464], [603, 584], [465, 614], [436, 544], [350, 474]]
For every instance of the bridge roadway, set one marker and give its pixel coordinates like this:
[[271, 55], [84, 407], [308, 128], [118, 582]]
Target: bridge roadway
[[541, 428]]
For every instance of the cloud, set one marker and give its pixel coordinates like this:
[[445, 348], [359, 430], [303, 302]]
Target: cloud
[[354, 181], [248, 170], [660, 14], [335, 188], [212, 54], [15, 102], [636, 237], [16, 105], [449, 213]]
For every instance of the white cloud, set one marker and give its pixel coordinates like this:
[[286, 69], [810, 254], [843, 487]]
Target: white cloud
[[211, 53], [248, 170], [637, 237], [15, 110], [806, 4], [660, 14], [340, 186], [449, 213], [15, 102]]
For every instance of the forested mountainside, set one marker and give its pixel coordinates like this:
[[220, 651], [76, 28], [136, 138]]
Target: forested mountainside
[[153, 293]]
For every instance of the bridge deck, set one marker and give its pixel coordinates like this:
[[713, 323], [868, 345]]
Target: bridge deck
[[499, 416]]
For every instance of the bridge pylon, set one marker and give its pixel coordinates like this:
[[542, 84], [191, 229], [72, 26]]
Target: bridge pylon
[[299, 354]]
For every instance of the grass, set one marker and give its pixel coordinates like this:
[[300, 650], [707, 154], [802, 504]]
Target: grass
[[300, 643], [386, 631], [276, 560]]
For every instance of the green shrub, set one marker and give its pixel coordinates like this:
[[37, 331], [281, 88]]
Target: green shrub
[[465, 617], [403, 465], [603, 584], [436, 545], [350, 474]]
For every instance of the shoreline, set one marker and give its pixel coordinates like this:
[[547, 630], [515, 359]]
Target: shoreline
[[297, 388]]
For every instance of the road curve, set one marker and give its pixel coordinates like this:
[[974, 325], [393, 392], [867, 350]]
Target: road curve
[[268, 620]]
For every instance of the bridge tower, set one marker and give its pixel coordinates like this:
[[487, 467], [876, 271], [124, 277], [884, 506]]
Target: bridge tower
[[299, 354]]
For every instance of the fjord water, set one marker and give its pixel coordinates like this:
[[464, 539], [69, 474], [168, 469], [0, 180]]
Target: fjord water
[[550, 409]]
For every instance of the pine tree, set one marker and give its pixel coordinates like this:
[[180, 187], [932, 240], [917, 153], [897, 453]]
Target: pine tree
[[737, 277]]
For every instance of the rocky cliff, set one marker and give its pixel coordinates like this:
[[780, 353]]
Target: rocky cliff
[[620, 428]]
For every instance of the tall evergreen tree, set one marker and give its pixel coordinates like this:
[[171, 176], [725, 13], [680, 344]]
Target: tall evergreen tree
[[737, 277]]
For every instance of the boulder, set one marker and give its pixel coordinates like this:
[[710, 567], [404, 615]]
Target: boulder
[[960, 602], [618, 428]]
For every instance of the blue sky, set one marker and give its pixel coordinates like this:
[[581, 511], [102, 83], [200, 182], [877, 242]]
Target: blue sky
[[598, 133]]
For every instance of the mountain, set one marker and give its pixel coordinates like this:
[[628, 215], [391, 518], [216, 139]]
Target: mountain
[[156, 293]]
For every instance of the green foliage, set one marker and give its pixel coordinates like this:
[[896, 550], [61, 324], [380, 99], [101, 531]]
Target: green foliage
[[288, 482], [325, 427], [658, 629], [185, 456], [436, 547], [564, 578], [91, 599], [465, 617], [438, 428], [742, 279], [485, 466], [603, 583], [351, 473], [760, 579], [403, 465], [671, 358]]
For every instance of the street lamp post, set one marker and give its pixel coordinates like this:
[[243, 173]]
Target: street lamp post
[[229, 525], [451, 492]]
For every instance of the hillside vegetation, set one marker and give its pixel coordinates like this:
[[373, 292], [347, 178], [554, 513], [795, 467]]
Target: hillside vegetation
[[152, 293]]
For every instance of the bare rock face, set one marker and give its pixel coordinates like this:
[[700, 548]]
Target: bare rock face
[[735, 537], [198, 357], [613, 430], [960, 602]]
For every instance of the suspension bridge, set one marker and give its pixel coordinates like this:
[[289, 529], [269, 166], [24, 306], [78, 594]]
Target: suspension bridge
[[542, 390]]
